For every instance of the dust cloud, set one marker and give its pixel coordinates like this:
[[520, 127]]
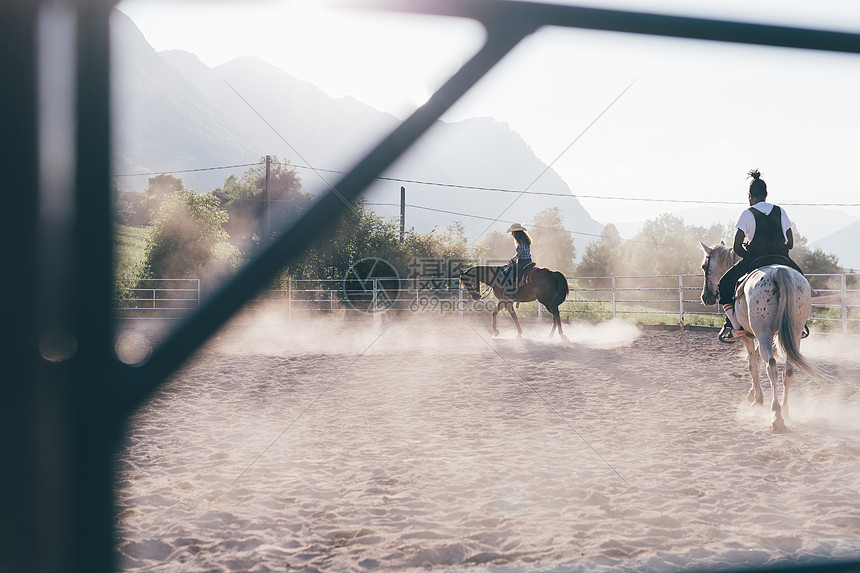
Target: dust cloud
[[426, 444]]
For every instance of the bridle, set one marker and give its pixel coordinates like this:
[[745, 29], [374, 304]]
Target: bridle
[[468, 282], [706, 266]]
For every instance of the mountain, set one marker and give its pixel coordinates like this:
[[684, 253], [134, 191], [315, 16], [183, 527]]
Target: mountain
[[174, 113], [843, 243], [485, 153], [161, 121]]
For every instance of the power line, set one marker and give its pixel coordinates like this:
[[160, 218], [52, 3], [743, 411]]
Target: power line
[[573, 195], [497, 189], [186, 170], [282, 138], [423, 208]]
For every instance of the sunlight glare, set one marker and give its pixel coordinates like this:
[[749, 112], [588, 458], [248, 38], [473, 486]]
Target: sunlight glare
[[420, 95]]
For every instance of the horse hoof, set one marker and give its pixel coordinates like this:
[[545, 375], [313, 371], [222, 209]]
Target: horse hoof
[[495, 333], [778, 426]]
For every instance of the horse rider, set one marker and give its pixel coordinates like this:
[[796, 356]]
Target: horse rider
[[511, 273], [763, 237]]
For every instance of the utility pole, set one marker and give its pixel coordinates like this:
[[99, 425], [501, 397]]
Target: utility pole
[[402, 212], [266, 196]]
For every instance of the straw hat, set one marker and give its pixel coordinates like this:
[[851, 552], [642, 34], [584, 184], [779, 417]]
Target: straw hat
[[516, 227]]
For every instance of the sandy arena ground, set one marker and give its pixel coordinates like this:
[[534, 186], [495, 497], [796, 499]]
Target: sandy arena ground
[[332, 446]]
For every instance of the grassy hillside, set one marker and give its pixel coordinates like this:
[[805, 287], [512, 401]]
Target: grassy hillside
[[129, 246]]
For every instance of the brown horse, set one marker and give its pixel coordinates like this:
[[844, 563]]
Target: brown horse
[[546, 286]]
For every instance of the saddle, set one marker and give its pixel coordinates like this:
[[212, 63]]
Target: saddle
[[524, 278], [526, 275], [757, 264], [739, 286]]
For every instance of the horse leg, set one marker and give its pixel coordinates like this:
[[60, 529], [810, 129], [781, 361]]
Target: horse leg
[[765, 347], [755, 396], [551, 332], [556, 321], [510, 307], [495, 313], [786, 383]]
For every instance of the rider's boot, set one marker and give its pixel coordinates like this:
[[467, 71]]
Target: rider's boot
[[732, 331]]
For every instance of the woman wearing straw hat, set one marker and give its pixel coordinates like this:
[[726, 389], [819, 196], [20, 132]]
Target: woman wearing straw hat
[[520, 260]]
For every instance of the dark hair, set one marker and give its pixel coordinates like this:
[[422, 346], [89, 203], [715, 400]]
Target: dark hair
[[758, 188], [522, 238]]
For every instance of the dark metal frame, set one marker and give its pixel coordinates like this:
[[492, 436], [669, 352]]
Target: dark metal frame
[[62, 419]]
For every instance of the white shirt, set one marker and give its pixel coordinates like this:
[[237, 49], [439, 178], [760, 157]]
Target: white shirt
[[746, 222]]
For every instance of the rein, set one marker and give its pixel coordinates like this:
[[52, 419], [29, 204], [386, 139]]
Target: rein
[[478, 288], [488, 289]]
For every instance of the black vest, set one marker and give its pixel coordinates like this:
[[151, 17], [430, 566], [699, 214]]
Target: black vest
[[768, 238]]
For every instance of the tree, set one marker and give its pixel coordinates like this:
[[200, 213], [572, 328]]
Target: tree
[[553, 244], [245, 200], [497, 248], [602, 258], [187, 239], [358, 233], [663, 246], [813, 261], [159, 187], [361, 233], [130, 208], [666, 246]]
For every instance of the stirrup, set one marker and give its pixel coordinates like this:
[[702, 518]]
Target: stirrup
[[729, 334]]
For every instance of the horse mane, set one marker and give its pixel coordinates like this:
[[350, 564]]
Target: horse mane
[[722, 256]]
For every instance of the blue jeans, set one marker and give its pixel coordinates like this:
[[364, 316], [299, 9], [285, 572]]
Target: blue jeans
[[511, 274]]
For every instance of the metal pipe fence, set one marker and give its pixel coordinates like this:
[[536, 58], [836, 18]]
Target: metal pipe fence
[[656, 299], [156, 298]]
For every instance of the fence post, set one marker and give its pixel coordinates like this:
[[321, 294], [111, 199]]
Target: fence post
[[460, 301], [375, 285], [198, 293], [681, 299], [290, 298], [613, 298], [844, 304], [540, 312]]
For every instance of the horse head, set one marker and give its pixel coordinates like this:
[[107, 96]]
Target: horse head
[[717, 261], [469, 281]]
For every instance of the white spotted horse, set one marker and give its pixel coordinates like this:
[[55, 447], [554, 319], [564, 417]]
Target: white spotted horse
[[774, 300]]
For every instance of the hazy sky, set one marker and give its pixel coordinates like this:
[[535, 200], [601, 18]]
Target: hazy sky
[[698, 116]]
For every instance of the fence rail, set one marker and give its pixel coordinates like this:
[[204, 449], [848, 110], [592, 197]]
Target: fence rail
[[666, 299], [156, 298]]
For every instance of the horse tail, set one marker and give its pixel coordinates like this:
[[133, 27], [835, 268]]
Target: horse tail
[[789, 319], [563, 289]]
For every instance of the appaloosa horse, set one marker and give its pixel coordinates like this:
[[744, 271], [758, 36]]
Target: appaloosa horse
[[548, 287], [774, 300]]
